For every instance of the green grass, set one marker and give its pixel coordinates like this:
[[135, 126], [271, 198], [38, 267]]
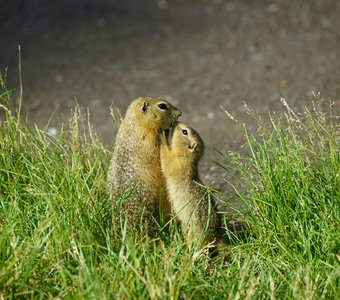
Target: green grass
[[57, 239]]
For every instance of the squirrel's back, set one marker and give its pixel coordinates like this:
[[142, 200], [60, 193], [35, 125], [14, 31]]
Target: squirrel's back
[[135, 165]]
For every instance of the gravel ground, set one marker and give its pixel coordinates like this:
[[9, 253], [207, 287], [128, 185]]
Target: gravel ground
[[200, 55]]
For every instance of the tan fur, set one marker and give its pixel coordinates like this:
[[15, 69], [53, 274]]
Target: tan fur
[[135, 164], [190, 203]]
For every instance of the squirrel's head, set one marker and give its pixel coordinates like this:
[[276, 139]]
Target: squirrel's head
[[185, 141], [153, 113]]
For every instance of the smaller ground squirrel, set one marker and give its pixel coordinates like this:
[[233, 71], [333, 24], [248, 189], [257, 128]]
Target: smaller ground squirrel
[[181, 150], [135, 168]]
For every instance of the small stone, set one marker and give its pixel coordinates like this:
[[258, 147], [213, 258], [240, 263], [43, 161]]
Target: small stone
[[273, 8], [59, 78], [232, 44], [322, 70], [325, 23], [52, 131], [284, 83], [101, 23], [163, 4], [210, 115]]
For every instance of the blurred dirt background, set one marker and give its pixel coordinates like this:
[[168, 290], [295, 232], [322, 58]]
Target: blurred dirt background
[[199, 55]]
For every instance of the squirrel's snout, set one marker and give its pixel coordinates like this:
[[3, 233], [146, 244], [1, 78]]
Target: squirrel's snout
[[177, 113]]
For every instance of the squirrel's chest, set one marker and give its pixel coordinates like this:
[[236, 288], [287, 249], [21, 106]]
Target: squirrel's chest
[[183, 202]]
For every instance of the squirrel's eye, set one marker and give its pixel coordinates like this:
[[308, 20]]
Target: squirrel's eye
[[185, 132], [162, 106]]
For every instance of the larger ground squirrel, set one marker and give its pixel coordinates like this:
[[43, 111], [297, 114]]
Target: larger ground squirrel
[[181, 151], [135, 167]]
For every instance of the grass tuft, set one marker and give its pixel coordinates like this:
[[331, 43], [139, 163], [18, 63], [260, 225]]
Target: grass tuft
[[57, 237], [290, 184]]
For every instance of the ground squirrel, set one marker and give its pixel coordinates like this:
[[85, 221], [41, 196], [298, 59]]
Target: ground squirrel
[[135, 165], [181, 150]]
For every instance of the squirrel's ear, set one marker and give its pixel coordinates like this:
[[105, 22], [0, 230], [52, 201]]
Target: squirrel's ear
[[144, 107], [192, 147]]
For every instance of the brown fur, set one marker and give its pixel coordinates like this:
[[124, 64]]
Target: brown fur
[[180, 154], [135, 165]]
